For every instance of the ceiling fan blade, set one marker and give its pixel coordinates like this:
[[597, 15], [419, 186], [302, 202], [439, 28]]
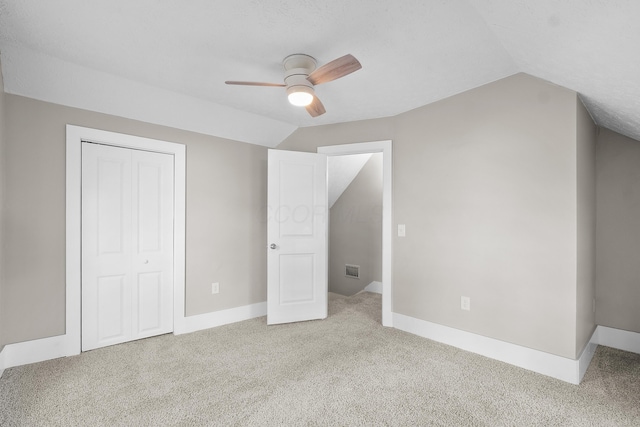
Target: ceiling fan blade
[[334, 70], [230, 82], [316, 108]]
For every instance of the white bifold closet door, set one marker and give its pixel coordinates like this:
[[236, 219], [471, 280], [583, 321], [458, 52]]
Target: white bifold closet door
[[127, 244]]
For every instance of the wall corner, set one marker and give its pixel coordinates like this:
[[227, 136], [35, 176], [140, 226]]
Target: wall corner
[[586, 135]]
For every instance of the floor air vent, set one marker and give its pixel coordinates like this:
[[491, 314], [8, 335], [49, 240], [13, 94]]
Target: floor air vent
[[352, 271]]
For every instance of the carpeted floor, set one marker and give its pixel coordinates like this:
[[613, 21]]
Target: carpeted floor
[[346, 370]]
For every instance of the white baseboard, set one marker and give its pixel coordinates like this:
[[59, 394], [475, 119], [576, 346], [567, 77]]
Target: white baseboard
[[33, 351], [548, 364], [40, 350], [219, 318], [375, 287], [562, 368], [2, 362], [617, 338], [587, 354]]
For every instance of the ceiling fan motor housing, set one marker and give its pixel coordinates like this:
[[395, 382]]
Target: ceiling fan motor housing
[[297, 68], [299, 60]]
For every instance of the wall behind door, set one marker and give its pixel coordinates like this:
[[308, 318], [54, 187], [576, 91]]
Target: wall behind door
[[355, 231], [618, 232], [2, 157]]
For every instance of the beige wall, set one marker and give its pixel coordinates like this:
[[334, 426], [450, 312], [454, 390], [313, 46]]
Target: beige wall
[[618, 231], [486, 184], [586, 134], [355, 231], [226, 232]]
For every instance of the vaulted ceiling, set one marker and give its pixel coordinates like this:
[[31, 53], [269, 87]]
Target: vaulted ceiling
[[166, 61]]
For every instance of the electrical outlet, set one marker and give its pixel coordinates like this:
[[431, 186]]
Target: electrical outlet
[[465, 303], [215, 288]]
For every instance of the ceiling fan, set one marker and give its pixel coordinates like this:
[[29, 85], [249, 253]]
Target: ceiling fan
[[301, 75]]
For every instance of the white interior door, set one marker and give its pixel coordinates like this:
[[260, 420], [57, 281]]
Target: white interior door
[[297, 236], [127, 244]]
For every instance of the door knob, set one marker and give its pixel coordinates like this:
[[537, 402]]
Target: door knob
[[273, 246], [146, 261]]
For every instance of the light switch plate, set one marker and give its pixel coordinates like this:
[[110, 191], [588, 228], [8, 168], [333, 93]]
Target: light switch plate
[[402, 232]]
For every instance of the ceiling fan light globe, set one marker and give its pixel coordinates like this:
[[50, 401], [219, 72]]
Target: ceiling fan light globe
[[300, 96], [300, 99]]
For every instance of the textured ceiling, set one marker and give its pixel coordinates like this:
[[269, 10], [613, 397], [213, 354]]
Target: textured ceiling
[[177, 55]]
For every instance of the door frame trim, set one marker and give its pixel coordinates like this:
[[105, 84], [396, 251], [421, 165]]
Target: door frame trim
[[75, 136], [384, 147]]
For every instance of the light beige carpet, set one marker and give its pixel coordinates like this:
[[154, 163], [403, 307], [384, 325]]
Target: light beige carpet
[[345, 370]]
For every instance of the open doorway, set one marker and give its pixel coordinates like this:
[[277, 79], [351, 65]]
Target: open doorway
[[355, 223], [384, 149]]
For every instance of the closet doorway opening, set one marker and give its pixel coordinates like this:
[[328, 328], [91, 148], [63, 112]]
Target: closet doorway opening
[[356, 212]]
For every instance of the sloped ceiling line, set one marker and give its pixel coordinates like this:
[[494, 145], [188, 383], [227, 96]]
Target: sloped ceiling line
[[342, 170]]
